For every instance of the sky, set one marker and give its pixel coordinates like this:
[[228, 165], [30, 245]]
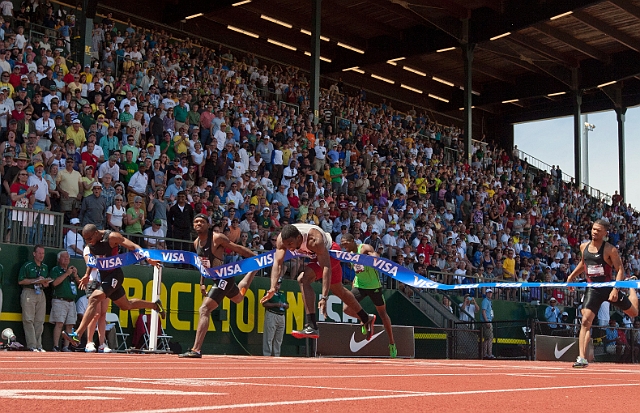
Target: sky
[[551, 141]]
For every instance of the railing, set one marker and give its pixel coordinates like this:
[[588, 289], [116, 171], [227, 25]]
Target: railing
[[543, 166], [31, 226]]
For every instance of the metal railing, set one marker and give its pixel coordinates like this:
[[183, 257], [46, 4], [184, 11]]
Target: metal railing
[[543, 166], [31, 226]]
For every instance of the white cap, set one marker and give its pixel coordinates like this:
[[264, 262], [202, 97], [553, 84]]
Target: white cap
[[74, 221]]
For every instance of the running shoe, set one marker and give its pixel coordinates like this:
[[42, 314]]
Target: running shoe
[[104, 349], [71, 337], [191, 355], [66, 350], [581, 363], [41, 350], [56, 349], [90, 348], [160, 310], [393, 351], [306, 332], [369, 326]]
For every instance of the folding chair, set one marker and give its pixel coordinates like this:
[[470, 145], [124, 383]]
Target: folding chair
[[163, 338], [113, 318]]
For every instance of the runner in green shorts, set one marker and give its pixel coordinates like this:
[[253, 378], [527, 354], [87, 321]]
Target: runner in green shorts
[[367, 284]]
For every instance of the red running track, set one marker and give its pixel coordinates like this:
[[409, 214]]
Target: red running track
[[78, 382]]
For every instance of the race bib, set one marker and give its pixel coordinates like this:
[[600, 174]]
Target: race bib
[[114, 283], [222, 284], [595, 270]]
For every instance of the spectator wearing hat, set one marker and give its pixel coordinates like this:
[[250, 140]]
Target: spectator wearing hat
[[486, 316], [73, 241], [155, 235], [552, 314], [75, 133], [94, 208]]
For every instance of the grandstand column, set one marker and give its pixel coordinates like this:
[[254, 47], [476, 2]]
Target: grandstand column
[[315, 58], [620, 115], [467, 55], [577, 127], [86, 52]]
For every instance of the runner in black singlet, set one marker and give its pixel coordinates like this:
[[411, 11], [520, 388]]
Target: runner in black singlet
[[210, 248], [599, 258], [105, 244]]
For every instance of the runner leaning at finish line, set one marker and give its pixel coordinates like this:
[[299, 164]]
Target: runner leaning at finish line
[[105, 243], [367, 284], [312, 241], [210, 248], [598, 259]]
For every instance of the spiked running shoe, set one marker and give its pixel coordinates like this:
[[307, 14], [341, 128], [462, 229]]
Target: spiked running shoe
[[160, 309], [90, 348], [581, 363], [369, 326], [393, 351], [71, 337], [306, 332], [191, 355]]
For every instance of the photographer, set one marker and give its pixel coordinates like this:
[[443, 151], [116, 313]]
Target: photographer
[[63, 305]]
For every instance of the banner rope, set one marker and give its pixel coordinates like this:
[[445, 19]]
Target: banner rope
[[390, 268]]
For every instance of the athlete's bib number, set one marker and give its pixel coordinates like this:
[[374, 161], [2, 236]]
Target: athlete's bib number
[[114, 283], [595, 270], [222, 284]]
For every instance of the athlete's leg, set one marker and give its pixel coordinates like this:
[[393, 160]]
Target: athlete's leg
[[306, 277], [633, 297], [349, 301], [102, 321], [585, 331], [126, 304], [208, 305], [245, 283], [386, 321], [92, 305]]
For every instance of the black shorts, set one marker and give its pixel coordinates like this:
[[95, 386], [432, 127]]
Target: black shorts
[[223, 288], [112, 284], [92, 286], [594, 297], [375, 295]]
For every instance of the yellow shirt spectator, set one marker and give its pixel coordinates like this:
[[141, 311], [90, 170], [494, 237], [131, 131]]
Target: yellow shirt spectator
[[509, 268], [180, 144], [78, 136]]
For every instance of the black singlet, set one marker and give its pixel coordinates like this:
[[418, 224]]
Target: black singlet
[[596, 268]]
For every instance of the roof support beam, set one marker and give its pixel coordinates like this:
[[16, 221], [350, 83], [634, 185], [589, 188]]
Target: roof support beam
[[543, 50], [605, 28], [627, 6], [569, 40]]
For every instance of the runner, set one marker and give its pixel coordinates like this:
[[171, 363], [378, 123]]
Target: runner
[[367, 284], [312, 241], [598, 259], [105, 243], [210, 248]]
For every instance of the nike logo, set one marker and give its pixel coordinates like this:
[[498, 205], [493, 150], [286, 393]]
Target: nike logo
[[356, 346], [560, 353], [596, 255]]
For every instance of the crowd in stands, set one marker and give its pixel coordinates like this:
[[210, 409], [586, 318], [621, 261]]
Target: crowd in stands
[[157, 129]]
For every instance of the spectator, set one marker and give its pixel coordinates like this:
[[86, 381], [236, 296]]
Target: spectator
[[94, 208], [155, 231], [274, 322], [33, 278], [552, 315], [470, 307], [63, 308], [73, 240], [486, 316]]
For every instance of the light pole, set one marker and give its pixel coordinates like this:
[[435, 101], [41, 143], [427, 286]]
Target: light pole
[[588, 127]]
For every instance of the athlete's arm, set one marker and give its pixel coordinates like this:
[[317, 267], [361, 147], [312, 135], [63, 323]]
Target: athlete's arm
[[580, 267], [222, 240], [276, 269], [616, 262], [368, 250], [116, 238], [203, 286]]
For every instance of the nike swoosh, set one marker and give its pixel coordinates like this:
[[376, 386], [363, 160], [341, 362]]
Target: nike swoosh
[[356, 346], [560, 353]]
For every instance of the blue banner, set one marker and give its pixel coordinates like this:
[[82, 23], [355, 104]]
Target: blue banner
[[390, 268]]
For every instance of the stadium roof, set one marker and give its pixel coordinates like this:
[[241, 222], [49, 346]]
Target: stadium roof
[[525, 55]]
